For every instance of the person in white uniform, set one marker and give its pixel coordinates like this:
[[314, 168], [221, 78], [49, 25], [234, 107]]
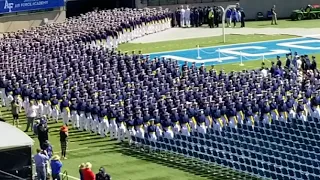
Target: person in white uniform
[[187, 16], [182, 16]]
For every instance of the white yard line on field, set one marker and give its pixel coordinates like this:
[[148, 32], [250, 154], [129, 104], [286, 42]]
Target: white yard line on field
[[76, 149]]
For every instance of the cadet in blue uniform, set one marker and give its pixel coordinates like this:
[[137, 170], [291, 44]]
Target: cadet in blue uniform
[[219, 124], [113, 113], [47, 110], [3, 85], [65, 109], [283, 111], [88, 115], [55, 108], [152, 130], [121, 126], [25, 95], [95, 117], [265, 112], [130, 127], [249, 115], [74, 113], [232, 116], [81, 109], [175, 118], [103, 120], [138, 123], [301, 112], [184, 123], [314, 106], [290, 107], [39, 102], [201, 120], [274, 108]]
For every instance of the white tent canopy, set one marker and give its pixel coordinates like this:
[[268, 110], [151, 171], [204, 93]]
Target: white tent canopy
[[12, 137]]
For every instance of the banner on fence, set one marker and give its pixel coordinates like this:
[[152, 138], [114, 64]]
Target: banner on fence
[[10, 6]]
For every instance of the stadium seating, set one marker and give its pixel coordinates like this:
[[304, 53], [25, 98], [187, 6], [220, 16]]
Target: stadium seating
[[281, 150]]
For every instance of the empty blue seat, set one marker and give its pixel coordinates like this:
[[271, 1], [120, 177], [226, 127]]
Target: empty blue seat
[[236, 165], [312, 177], [304, 176]]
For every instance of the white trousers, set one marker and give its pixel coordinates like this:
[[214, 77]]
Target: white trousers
[[26, 103], [65, 116], [87, 125], [202, 129], [185, 130], [8, 101], [95, 124], [82, 121], [283, 117], [152, 136], [168, 134], [3, 96], [104, 127], [302, 117], [55, 114], [75, 118], [274, 116], [176, 128], [232, 122], [139, 132], [266, 119], [315, 113], [47, 110], [217, 126], [130, 132], [121, 132], [113, 129]]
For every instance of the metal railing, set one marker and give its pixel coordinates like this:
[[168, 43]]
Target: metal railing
[[8, 176]]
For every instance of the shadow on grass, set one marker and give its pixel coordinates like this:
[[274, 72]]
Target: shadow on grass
[[199, 168]]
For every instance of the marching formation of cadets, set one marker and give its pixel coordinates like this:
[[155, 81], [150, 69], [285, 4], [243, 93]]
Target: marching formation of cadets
[[103, 91]]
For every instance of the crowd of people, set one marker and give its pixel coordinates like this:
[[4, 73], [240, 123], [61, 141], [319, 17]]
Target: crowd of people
[[70, 71], [36, 65], [197, 16]]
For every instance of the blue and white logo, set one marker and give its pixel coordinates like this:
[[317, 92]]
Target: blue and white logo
[[8, 5]]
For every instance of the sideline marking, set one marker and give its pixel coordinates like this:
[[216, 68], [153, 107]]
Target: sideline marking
[[256, 42], [77, 149]]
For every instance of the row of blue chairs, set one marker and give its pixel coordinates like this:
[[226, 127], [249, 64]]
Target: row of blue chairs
[[241, 148], [255, 165]]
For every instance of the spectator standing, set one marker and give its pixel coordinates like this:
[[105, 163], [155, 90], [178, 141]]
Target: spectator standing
[[234, 17], [102, 175], [48, 148], [87, 172], [15, 109], [274, 15], [64, 140], [40, 160], [32, 112], [42, 133], [210, 18], [242, 17], [314, 63], [81, 168], [35, 127], [228, 17], [56, 166]]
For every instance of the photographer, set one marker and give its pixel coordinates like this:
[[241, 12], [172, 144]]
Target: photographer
[[102, 175], [40, 160]]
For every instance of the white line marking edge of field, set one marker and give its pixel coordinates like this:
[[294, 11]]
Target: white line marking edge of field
[[257, 42]]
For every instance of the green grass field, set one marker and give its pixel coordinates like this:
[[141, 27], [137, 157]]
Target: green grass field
[[121, 161]]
